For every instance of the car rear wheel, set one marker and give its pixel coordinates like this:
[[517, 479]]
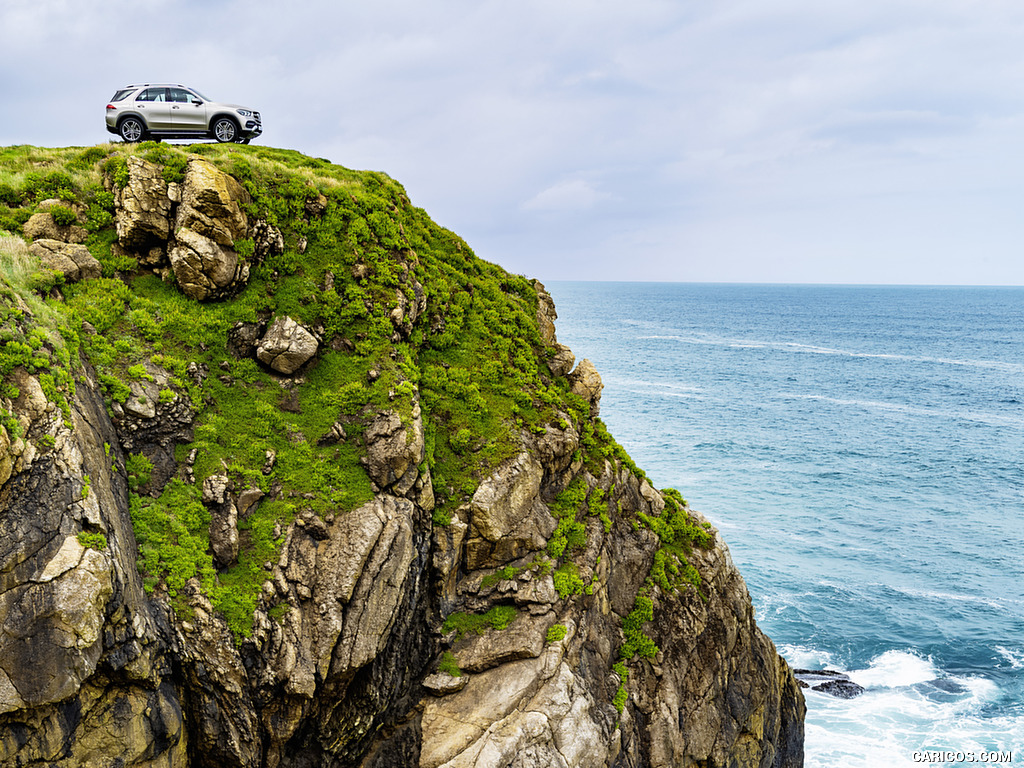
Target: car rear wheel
[[131, 129], [225, 130]]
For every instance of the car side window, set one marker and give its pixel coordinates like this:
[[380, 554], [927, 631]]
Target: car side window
[[153, 94], [179, 95]]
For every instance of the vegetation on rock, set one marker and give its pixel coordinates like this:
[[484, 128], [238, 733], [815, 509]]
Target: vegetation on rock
[[411, 341]]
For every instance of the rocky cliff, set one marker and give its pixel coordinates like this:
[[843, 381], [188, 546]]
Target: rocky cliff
[[291, 478]]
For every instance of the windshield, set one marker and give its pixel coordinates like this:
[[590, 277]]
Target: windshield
[[197, 93]]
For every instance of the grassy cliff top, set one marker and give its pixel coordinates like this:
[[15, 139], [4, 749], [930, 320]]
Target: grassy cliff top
[[357, 254], [410, 323]]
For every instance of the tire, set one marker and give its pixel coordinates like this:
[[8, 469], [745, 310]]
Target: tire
[[132, 130], [224, 130]]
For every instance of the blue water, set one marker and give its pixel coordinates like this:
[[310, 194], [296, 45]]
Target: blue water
[[860, 449]]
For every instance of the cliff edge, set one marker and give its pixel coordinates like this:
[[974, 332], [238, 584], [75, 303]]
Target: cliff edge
[[289, 477]]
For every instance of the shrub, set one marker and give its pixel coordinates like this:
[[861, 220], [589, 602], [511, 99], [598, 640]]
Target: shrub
[[92, 540], [567, 580], [9, 195], [637, 641], [449, 665], [498, 618], [621, 695], [139, 470], [556, 632], [63, 216]]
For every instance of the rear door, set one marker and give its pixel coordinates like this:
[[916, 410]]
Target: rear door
[[186, 113], [152, 104]]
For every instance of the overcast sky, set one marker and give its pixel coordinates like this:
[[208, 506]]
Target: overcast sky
[[850, 141]]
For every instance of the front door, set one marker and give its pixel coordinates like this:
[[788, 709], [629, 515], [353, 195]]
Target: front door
[[186, 113]]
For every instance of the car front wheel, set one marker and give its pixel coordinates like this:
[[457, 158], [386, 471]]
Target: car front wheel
[[224, 129], [132, 129]]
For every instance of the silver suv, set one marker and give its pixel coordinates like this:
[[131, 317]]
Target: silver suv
[[168, 111]]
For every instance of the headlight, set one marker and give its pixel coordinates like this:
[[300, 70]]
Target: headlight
[[245, 112]]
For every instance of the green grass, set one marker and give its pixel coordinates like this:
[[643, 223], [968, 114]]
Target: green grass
[[92, 540], [449, 665], [497, 618], [556, 632]]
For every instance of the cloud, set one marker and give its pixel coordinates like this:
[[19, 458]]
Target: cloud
[[743, 131], [575, 195]]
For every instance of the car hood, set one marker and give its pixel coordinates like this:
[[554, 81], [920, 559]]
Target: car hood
[[233, 106]]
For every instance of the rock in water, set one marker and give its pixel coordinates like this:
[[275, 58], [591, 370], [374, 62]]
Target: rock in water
[[828, 681]]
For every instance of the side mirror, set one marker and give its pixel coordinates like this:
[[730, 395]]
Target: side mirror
[[197, 102]]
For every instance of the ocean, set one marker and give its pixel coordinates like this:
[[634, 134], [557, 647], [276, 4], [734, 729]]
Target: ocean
[[860, 449]]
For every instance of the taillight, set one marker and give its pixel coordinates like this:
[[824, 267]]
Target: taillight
[[111, 106]]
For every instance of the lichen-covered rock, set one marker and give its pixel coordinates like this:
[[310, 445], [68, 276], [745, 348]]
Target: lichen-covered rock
[[41, 226], [75, 262], [211, 204], [286, 346], [507, 517], [142, 206], [205, 269], [546, 314], [586, 382]]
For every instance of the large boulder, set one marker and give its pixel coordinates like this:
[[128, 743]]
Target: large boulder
[[204, 268], [74, 261], [143, 207], [211, 204], [286, 346], [546, 314], [394, 450], [586, 382], [507, 518], [52, 632], [42, 226]]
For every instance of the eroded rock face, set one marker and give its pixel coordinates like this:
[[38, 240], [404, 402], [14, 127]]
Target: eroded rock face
[[586, 382], [286, 346], [342, 666], [394, 449], [73, 261], [546, 314], [506, 516], [142, 206], [211, 204], [82, 659], [204, 268]]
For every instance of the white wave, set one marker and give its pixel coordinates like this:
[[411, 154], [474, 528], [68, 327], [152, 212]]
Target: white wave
[[991, 419], [805, 657], [909, 705], [1015, 657], [972, 598], [895, 669], [792, 346]]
